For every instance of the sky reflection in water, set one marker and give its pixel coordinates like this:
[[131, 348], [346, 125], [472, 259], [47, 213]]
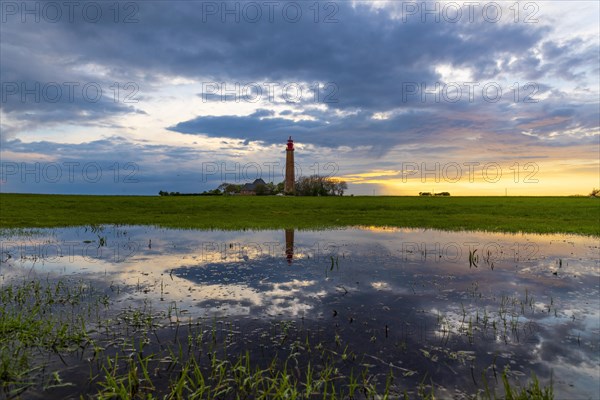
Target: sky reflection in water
[[446, 303]]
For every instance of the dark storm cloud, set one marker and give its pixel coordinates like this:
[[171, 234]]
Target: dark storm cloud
[[573, 60], [435, 123], [329, 131], [373, 60], [43, 86], [368, 54]]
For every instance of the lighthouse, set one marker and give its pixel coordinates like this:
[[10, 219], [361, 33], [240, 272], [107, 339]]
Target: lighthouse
[[289, 186]]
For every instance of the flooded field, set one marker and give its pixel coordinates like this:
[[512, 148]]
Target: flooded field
[[128, 311]]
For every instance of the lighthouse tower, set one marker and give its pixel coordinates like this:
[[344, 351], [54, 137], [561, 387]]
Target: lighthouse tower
[[289, 186]]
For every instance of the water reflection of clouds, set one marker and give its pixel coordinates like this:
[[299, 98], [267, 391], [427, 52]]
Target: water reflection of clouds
[[574, 361], [418, 284], [415, 245], [256, 297]]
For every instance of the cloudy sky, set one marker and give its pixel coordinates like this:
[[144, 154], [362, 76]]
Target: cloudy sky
[[394, 97]]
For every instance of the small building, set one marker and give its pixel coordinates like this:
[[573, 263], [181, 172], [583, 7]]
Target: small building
[[249, 189]]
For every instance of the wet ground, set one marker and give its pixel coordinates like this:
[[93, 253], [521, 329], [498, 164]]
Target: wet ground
[[448, 309]]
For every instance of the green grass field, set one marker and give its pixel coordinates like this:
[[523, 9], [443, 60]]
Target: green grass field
[[500, 214]]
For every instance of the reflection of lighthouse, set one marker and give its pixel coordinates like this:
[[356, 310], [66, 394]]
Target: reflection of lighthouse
[[289, 186], [289, 245]]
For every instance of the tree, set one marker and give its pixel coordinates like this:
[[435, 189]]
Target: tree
[[230, 188], [338, 187], [279, 188], [316, 185], [271, 188], [261, 190]]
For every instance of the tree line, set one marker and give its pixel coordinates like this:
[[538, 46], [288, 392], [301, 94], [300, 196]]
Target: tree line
[[313, 185]]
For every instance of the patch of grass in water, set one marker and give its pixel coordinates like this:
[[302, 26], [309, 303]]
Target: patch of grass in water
[[532, 392], [37, 318], [128, 357]]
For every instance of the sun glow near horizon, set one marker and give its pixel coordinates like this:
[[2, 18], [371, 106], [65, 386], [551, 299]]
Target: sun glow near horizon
[[531, 179]]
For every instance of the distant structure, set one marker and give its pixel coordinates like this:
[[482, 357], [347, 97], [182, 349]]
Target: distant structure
[[251, 188], [434, 194], [289, 186]]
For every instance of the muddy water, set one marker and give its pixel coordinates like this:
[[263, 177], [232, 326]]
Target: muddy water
[[452, 308]]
